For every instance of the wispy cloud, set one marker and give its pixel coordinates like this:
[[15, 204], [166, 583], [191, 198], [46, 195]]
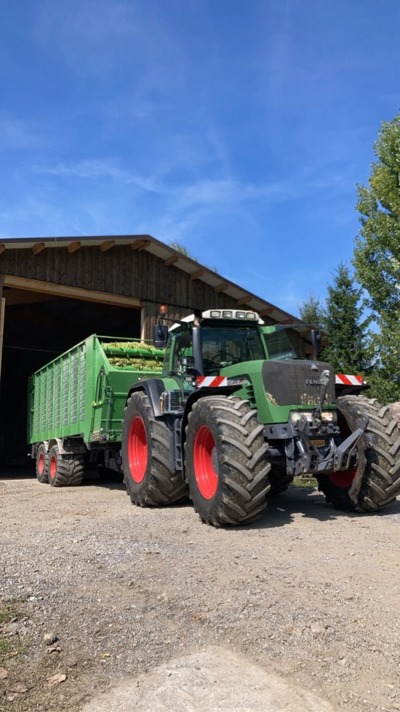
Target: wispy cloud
[[94, 170], [95, 22], [18, 134], [100, 38]]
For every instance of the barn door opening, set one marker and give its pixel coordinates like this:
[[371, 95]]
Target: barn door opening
[[37, 327]]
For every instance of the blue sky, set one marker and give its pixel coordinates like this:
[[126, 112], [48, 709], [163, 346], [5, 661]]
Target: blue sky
[[238, 128]]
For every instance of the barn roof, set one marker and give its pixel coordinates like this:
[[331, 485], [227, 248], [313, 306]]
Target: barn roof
[[166, 253]]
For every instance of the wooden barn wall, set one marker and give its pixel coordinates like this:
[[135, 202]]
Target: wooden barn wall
[[121, 271]]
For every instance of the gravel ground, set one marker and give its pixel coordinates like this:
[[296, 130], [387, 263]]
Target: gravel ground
[[106, 592]]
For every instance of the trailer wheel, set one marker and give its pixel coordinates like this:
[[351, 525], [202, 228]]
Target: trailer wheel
[[226, 468], [149, 477], [42, 463], [375, 482], [65, 470]]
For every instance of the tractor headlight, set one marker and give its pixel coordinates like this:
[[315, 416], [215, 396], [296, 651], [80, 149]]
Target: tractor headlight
[[295, 416], [327, 416]]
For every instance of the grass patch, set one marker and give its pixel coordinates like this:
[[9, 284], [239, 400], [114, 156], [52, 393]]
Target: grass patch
[[9, 645], [305, 481], [6, 648], [8, 611]]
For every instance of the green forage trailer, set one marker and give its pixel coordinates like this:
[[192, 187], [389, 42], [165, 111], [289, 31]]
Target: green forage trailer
[[76, 405]]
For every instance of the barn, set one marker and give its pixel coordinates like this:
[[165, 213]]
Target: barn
[[56, 291]]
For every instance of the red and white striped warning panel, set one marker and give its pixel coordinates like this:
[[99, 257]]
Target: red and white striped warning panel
[[211, 381], [344, 380]]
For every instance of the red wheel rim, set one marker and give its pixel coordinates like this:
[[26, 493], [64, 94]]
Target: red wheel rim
[[137, 450], [53, 467], [343, 478], [40, 465], [204, 472]]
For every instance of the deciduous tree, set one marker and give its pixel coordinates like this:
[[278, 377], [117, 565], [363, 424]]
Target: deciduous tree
[[377, 257]]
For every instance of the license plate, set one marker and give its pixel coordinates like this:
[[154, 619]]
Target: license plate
[[318, 443]]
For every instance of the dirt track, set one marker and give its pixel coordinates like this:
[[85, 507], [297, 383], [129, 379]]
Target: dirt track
[[307, 593]]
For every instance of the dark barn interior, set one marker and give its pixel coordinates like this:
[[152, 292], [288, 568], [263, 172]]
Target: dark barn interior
[[38, 327]]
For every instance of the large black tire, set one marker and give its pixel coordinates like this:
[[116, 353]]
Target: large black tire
[[149, 477], [375, 482], [65, 470], [42, 463], [226, 468]]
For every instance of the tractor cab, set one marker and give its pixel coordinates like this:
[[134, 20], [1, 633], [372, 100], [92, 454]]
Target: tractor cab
[[203, 345]]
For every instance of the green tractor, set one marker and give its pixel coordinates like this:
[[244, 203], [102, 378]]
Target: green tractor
[[239, 410]]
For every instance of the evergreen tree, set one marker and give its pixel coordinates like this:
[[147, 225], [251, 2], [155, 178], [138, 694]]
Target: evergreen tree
[[348, 342], [311, 311]]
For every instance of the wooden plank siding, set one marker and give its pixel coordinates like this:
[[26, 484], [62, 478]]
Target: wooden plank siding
[[121, 271]]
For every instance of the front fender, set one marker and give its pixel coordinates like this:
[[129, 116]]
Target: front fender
[[153, 388]]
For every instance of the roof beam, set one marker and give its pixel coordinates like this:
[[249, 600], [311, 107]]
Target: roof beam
[[171, 260], [2, 248], [244, 300], [222, 287], [140, 245], [107, 245], [63, 290], [265, 312], [38, 247], [197, 275], [74, 246]]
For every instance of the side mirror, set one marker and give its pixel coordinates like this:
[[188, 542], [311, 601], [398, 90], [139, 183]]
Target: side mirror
[[160, 336], [316, 340]]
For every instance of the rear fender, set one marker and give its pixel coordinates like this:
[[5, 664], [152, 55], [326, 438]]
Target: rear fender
[[69, 446]]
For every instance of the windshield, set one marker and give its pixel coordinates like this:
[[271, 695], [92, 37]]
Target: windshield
[[221, 346], [225, 345], [280, 346]]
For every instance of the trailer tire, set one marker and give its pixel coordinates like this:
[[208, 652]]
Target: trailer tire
[[226, 467], [42, 463], [375, 482], [149, 477], [65, 470]]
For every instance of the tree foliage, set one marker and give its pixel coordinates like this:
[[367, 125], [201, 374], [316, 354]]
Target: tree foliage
[[377, 257], [377, 251], [311, 311], [347, 346], [385, 376], [182, 249], [345, 330]]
